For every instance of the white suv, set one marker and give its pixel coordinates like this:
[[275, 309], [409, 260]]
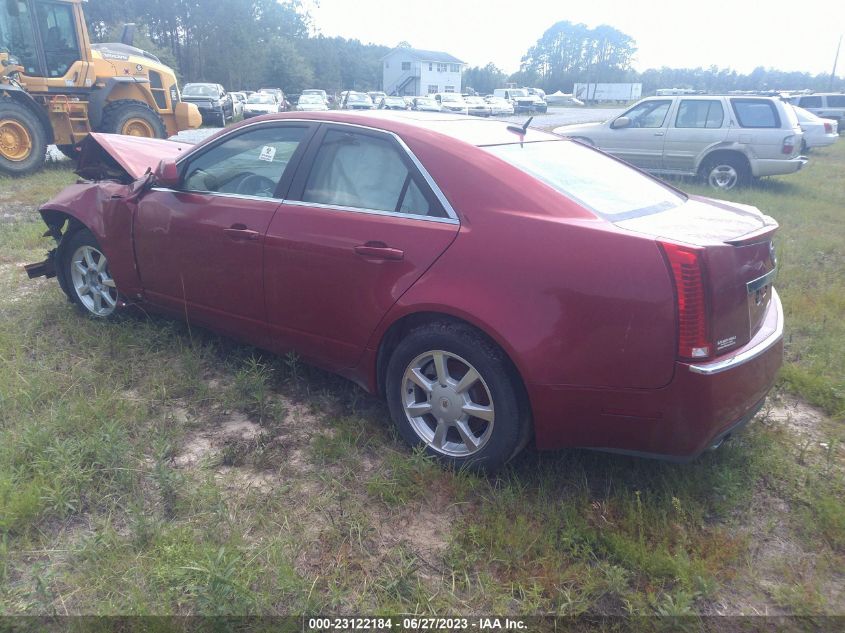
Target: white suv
[[724, 139], [825, 105]]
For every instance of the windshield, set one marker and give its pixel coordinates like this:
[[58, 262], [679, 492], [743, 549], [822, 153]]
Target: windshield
[[314, 92], [199, 90], [452, 98], [310, 99], [261, 98], [16, 34], [519, 93], [603, 185], [394, 101], [358, 98]]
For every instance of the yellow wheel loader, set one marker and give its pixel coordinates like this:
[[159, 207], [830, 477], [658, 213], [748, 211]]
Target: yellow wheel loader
[[56, 87]]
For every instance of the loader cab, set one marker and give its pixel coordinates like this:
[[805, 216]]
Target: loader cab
[[47, 37]]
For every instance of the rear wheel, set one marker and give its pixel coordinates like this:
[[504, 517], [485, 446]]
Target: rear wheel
[[452, 391], [23, 141], [725, 172], [132, 118]]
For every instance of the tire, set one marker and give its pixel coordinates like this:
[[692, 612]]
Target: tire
[[23, 140], [133, 118], [85, 271], [725, 172], [446, 429]]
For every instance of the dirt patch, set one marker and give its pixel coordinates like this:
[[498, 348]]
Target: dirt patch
[[815, 432], [204, 444]]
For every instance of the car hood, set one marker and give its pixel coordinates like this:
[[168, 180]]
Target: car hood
[[124, 158]]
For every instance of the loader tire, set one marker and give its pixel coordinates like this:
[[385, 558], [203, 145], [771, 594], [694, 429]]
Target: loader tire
[[132, 118], [23, 140]]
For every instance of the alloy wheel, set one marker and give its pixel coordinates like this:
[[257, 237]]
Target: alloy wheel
[[448, 403], [92, 282]]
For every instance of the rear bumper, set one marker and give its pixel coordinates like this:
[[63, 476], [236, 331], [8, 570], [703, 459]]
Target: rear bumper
[[777, 166], [696, 410]]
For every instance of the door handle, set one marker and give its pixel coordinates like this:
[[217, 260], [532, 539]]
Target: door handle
[[658, 133], [240, 232], [379, 250]]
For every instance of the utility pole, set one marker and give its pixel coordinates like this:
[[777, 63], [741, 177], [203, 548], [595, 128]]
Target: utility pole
[[835, 59]]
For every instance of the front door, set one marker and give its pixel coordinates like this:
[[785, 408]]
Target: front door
[[200, 248], [360, 225], [641, 141]]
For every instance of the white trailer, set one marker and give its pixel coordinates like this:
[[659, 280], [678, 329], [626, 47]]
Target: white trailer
[[597, 93]]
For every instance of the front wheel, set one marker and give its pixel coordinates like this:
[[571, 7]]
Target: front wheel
[[452, 391], [86, 270], [23, 140]]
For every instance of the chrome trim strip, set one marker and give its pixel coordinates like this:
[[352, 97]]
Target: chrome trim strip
[[749, 354], [441, 198], [222, 194], [755, 284], [394, 214]]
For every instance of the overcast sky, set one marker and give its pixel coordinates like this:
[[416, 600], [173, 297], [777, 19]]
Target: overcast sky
[[740, 34]]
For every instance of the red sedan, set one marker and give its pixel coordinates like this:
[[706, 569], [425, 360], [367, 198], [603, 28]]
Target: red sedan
[[492, 282]]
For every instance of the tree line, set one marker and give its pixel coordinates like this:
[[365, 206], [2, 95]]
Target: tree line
[[245, 44]]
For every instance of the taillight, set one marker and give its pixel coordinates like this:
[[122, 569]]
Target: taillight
[[828, 128], [687, 271], [788, 144]]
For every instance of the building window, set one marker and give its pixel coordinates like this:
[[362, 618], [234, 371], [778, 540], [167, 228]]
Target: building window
[[432, 89], [449, 89], [454, 68], [429, 66], [441, 68], [387, 64], [406, 65]]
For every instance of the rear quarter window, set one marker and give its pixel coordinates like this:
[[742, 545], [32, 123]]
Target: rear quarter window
[[607, 187], [756, 113], [836, 101]]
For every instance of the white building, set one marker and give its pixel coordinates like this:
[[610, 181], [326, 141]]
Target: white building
[[411, 71]]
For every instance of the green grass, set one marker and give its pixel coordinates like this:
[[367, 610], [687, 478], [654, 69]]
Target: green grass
[[146, 468]]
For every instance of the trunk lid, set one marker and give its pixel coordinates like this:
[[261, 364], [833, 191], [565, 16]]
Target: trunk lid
[[123, 158], [738, 259]]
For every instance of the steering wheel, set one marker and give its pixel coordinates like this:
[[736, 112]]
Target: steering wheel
[[256, 185]]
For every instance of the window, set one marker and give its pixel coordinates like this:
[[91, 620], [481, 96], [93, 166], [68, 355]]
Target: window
[[387, 64], [756, 113], [56, 24], [836, 101], [441, 68], [700, 114], [364, 171], [583, 174], [250, 164], [448, 88], [810, 102], [16, 34], [648, 114], [406, 65], [430, 66], [432, 89], [454, 68]]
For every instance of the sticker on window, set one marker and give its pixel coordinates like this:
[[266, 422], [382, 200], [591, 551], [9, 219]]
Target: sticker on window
[[267, 153]]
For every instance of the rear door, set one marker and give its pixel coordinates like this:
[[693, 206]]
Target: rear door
[[641, 142], [363, 221], [200, 248], [696, 125]]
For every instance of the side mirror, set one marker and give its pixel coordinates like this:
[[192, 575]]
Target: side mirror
[[621, 122], [167, 174]]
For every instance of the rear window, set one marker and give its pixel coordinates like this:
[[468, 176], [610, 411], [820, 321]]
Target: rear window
[[810, 102], [599, 183], [756, 113]]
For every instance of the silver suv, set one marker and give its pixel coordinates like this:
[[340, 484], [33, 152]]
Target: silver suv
[[726, 140]]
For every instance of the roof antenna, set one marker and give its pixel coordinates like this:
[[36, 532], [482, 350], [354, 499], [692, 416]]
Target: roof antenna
[[521, 129]]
